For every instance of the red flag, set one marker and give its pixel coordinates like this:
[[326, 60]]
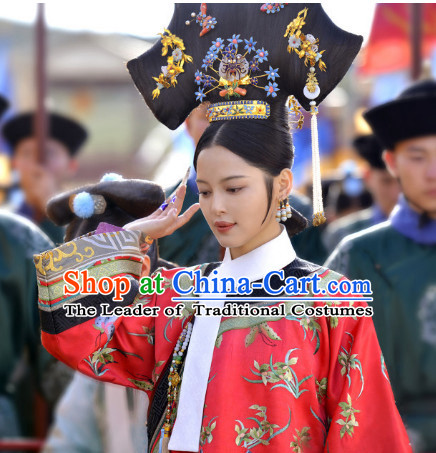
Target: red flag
[[389, 45]]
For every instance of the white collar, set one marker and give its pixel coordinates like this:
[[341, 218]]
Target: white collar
[[271, 256]]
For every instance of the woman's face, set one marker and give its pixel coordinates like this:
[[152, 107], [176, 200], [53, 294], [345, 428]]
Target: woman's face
[[234, 200]]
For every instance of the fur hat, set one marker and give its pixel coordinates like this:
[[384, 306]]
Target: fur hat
[[113, 200], [369, 148], [65, 130], [410, 115]]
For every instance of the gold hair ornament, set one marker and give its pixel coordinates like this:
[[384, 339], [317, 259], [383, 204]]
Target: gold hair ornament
[[237, 110], [175, 62], [296, 118], [306, 46]]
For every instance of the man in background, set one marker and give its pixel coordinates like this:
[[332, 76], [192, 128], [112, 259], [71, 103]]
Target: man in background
[[22, 356], [41, 177], [382, 186], [399, 258]]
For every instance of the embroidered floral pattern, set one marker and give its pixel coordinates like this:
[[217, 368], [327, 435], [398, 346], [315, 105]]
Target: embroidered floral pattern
[[265, 331], [281, 374], [350, 362], [301, 439], [321, 391], [206, 435], [349, 422], [262, 433]]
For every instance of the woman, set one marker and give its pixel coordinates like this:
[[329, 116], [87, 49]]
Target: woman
[[235, 383]]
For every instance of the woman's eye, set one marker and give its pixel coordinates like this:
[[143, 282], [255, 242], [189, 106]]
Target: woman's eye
[[203, 193], [234, 189]]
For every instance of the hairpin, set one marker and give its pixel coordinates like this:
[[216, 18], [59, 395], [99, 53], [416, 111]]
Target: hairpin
[[206, 22], [175, 62], [271, 8], [296, 118], [306, 46], [234, 71], [237, 110]]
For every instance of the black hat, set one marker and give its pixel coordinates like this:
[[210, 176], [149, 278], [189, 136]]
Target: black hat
[[369, 148], [65, 130], [113, 200], [410, 115], [243, 21], [4, 104]]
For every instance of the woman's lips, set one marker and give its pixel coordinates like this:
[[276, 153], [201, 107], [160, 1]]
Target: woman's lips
[[223, 227]]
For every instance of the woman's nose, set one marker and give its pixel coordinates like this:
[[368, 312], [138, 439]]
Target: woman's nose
[[218, 204]]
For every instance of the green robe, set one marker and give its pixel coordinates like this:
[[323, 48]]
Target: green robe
[[403, 277], [349, 224], [19, 320]]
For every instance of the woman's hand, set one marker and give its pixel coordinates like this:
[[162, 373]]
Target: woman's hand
[[164, 222]]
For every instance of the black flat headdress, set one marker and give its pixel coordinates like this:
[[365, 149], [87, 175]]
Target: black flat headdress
[[370, 149], [408, 116], [67, 131], [246, 20]]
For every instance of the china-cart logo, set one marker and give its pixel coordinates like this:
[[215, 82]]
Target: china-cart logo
[[215, 296]]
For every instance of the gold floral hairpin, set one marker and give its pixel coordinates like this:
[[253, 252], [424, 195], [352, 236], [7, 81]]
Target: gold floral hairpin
[[175, 62], [296, 118], [306, 46]]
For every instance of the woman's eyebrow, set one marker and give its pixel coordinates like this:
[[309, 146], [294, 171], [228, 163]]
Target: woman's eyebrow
[[224, 179]]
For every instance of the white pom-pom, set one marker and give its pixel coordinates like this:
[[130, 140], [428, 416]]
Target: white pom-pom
[[83, 205], [111, 177]]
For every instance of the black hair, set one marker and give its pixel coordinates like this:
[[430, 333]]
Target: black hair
[[152, 252], [266, 144]]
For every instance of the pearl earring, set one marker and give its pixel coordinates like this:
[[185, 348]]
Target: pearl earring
[[283, 212]]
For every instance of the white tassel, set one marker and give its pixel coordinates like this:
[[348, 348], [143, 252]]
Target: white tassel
[[318, 209]]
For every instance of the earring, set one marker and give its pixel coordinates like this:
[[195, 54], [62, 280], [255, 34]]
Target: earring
[[288, 210], [283, 212], [283, 217], [279, 211], [205, 21]]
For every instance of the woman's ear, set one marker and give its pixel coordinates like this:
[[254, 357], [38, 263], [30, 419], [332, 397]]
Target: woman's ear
[[285, 179]]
